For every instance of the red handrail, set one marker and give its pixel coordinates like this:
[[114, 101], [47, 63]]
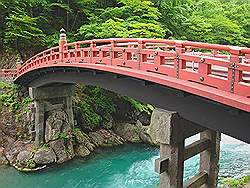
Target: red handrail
[[8, 73], [221, 67]]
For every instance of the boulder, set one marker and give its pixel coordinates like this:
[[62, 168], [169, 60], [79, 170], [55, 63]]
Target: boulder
[[3, 159], [44, 156], [60, 150], [69, 149], [24, 156], [105, 138], [110, 138], [11, 154], [56, 123], [83, 139], [130, 132], [96, 138], [63, 149], [81, 151], [144, 118]]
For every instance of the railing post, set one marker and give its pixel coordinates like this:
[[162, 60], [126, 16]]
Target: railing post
[[111, 51], [62, 42], [140, 57], [91, 53], [234, 75], [178, 63]]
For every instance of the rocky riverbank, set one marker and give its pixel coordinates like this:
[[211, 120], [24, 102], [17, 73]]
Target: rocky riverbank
[[128, 121], [63, 144]]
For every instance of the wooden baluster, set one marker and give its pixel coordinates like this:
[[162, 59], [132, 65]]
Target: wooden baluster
[[178, 62], [141, 57], [234, 74]]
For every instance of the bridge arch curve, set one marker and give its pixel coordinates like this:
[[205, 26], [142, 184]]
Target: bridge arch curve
[[208, 84], [192, 107]]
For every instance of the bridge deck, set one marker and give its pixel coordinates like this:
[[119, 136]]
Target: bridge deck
[[216, 78], [217, 72]]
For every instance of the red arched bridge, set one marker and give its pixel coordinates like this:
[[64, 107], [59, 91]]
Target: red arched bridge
[[206, 83]]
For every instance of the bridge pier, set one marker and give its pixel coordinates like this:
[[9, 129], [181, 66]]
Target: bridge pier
[[48, 99], [173, 153]]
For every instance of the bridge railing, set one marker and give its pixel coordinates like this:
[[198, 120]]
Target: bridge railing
[[223, 67], [8, 74]]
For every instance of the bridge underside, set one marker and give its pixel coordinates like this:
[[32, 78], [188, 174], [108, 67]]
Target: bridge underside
[[199, 110]]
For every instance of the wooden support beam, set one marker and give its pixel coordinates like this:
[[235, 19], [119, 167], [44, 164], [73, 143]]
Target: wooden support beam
[[209, 159], [196, 147], [173, 176], [161, 165], [197, 180]]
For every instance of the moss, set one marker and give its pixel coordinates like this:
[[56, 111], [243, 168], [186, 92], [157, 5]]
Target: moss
[[9, 98], [236, 182], [63, 136], [148, 108], [94, 105], [30, 163]]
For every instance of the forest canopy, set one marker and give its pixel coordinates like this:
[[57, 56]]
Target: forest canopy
[[28, 26]]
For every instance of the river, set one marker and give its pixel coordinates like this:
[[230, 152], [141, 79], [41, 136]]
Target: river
[[127, 166]]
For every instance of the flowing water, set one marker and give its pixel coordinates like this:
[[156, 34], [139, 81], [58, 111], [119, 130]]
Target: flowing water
[[127, 166]]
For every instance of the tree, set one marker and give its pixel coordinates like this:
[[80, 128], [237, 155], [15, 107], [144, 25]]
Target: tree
[[210, 22], [22, 31], [134, 17]]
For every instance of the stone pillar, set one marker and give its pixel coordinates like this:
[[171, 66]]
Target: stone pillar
[[171, 162], [48, 99], [69, 110], [172, 130], [39, 122], [173, 177], [209, 159]]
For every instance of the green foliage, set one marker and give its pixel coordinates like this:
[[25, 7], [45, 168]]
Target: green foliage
[[137, 18], [210, 21], [28, 26], [30, 163], [91, 118], [63, 136], [9, 98], [236, 182], [22, 31], [95, 105], [139, 106]]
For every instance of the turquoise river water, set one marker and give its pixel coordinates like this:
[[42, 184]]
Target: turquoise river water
[[127, 166]]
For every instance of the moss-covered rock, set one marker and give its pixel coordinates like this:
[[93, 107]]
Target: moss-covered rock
[[81, 151], [105, 138], [83, 139], [3, 160], [237, 183], [130, 132], [44, 156], [24, 156], [64, 150]]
